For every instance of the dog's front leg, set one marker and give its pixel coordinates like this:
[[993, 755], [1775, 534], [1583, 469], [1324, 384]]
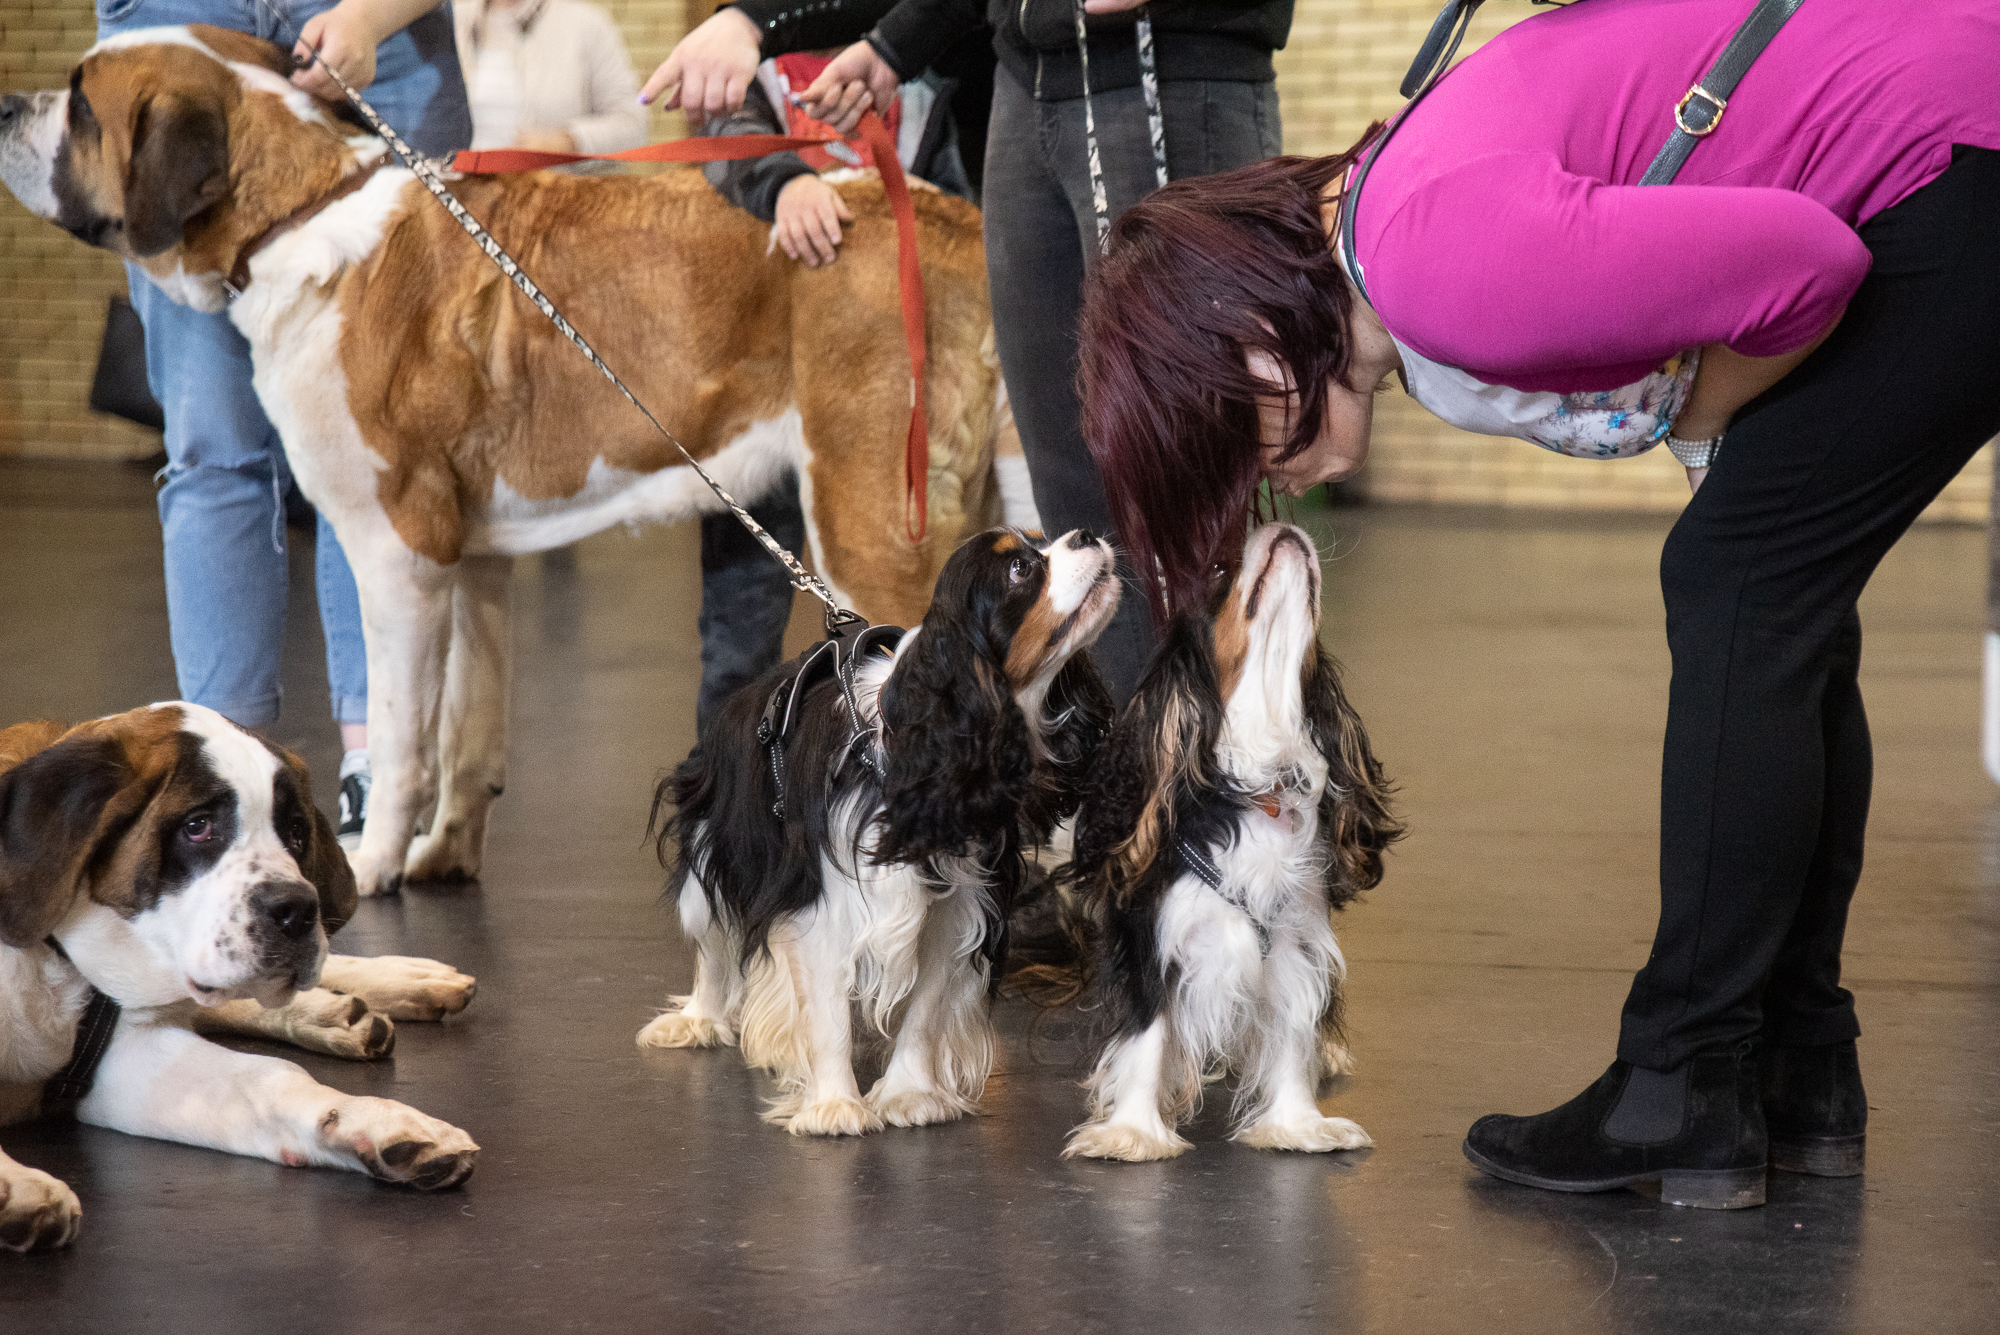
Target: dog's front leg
[[944, 1046], [702, 1019], [826, 1100], [472, 735], [402, 987], [316, 1020], [1283, 1068], [163, 1081], [37, 1212], [406, 619], [1126, 1089]]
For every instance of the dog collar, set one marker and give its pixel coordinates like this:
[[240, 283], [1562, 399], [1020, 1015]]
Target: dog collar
[[239, 276], [67, 1087]]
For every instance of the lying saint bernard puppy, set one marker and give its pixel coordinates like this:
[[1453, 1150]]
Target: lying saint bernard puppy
[[443, 425], [175, 864]]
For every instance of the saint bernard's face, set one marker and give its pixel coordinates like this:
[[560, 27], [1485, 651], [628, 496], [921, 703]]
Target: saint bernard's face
[[134, 156], [172, 855]]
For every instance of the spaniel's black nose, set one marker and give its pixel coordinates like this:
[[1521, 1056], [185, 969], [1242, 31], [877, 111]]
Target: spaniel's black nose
[[1081, 539], [290, 906]]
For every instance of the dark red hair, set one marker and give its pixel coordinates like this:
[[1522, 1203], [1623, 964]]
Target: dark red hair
[[1197, 272]]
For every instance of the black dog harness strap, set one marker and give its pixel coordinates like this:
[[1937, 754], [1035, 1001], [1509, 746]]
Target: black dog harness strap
[[68, 1087], [1210, 875], [839, 656]]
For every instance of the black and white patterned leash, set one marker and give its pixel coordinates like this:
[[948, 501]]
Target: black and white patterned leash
[[1156, 129], [425, 171]]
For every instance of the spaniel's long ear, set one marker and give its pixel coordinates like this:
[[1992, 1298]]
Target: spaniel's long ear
[[180, 166], [1079, 708], [1161, 752], [1354, 814], [957, 747], [57, 808]]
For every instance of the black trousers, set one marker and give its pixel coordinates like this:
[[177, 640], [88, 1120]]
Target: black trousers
[[1041, 235], [1765, 783]]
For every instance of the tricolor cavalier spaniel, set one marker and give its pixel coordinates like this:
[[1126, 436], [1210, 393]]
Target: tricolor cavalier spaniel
[[1234, 806], [856, 837]]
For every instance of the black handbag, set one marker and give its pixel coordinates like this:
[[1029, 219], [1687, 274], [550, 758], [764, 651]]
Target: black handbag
[[119, 387]]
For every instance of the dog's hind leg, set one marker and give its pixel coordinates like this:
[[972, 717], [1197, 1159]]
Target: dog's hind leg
[[703, 1018], [944, 1045], [406, 603], [472, 732], [1288, 1050]]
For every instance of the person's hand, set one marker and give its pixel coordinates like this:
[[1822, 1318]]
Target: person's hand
[[346, 39], [711, 68], [851, 82], [807, 222], [1110, 6], [546, 141]]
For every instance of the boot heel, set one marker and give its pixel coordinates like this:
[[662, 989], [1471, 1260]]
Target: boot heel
[[1820, 1156], [1714, 1189]]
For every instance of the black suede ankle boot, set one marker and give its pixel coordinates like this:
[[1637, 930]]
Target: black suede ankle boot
[[1816, 1109], [1697, 1130]]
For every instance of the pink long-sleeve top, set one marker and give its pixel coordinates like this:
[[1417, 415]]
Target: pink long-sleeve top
[[1502, 230]]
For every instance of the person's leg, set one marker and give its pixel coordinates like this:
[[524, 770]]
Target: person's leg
[[222, 515], [746, 597], [1766, 742]]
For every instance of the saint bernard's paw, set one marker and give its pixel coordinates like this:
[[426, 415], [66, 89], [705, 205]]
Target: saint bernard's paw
[[37, 1212], [401, 987], [679, 1029], [397, 1143], [917, 1105], [442, 856], [834, 1117], [1313, 1135], [337, 1025], [1107, 1140], [374, 876]]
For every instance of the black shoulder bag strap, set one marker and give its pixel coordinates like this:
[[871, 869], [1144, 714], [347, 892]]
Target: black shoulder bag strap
[[1696, 115]]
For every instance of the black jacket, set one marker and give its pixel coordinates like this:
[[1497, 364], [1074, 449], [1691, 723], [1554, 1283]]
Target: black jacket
[[1036, 39]]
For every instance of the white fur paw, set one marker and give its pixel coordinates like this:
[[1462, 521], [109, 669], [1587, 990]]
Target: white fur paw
[[678, 1029], [338, 1025], [1312, 1135], [1107, 1140], [918, 1105], [37, 1212], [441, 857], [396, 1143], [834, 1117], [402, 987]]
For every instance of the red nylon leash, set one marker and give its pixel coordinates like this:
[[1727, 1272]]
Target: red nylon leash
[[735, 147]]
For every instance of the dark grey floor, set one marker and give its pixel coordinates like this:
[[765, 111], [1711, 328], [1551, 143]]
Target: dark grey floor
[[1513, 673]]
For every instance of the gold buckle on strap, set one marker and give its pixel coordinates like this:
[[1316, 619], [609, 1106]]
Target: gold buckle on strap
[[1715, 119]]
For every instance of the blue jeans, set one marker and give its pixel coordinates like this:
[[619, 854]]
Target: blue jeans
[[222, 514]]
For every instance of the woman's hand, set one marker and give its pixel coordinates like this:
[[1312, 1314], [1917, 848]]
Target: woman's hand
[[1110, 6], [1726, 380], [546, 141], [344, 39], [807, 222], [856, 78], [710, 69]]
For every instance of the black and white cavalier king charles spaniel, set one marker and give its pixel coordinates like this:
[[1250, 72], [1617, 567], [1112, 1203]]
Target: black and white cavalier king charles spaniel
[[909, 783], [1234, 806]]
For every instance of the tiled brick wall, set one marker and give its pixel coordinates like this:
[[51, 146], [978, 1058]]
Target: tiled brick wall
[[1339, 72]]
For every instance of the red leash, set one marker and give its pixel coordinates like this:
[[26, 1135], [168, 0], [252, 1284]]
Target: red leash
[[732, 148]]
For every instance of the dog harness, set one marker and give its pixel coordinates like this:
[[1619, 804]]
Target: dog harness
[[840, 654], [67, 1087], [1198, 862]]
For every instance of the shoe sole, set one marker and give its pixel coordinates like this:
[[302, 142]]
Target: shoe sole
[[1699, 1189], [1820, 1156]]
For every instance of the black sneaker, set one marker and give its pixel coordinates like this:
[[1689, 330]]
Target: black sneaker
[[353, 808]]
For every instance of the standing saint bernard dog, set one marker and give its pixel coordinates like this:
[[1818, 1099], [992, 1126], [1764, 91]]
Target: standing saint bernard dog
[[443, 425], [174, 864]]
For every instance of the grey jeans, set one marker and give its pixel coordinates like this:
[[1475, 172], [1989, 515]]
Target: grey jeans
[[1041, 236]]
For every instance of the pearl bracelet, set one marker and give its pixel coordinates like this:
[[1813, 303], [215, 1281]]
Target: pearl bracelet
[[1693, 453]]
